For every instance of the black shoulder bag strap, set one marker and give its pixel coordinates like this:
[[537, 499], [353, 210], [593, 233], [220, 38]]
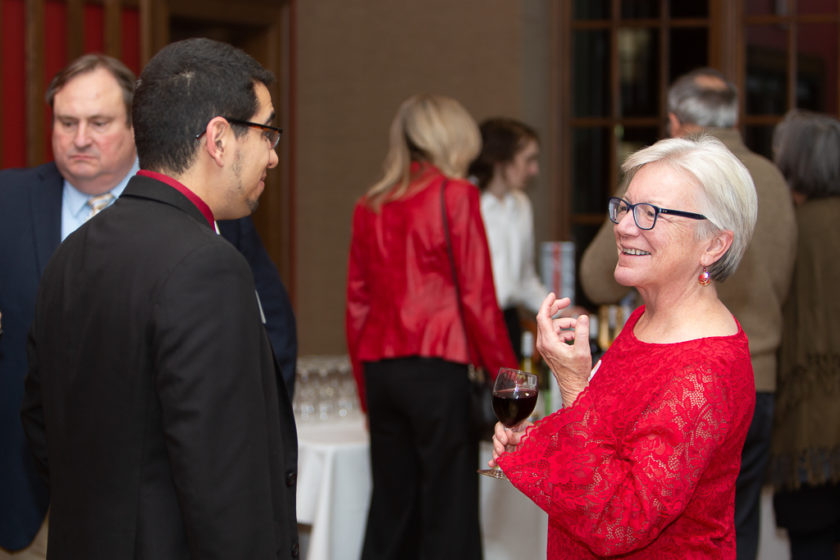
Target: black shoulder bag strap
[[452, 264]]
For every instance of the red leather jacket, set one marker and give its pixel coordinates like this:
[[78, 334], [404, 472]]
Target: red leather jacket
[[401, 300]]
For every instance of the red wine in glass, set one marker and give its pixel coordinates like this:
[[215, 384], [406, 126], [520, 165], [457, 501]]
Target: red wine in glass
[[514, 399], [512, 406]]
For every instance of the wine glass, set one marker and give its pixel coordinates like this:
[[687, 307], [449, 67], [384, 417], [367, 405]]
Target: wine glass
[[514, 398]]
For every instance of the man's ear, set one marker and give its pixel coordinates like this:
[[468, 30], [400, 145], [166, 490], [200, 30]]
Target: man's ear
[[216, 139], [673, 125], [717, 247]]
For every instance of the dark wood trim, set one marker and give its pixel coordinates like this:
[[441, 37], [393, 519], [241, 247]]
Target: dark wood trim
[[255, 13], [726, 46], [580, 219], [562, 116], [803, 18], [583, 122], [664, 56], [75, 29], [639, 23], [792, 61], [35, 149], [2, 101], [145, 10], [113, 28], [615, 87], [288, 268], [753, 120], [837, 58], [154, 28]]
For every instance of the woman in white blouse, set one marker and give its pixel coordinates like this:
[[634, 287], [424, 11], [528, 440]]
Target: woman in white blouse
[[509, 159]]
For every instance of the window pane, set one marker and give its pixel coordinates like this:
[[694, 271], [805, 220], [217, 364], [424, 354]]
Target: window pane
[[633, 139], [691, 45], [590, 180], [692, 9], [762, 7], [638, 66], [636, 9], [590, 74], [759, 138], [591, 9], [766, 70], [816, 80]]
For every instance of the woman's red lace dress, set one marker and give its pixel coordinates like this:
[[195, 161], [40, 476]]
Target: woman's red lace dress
[[644, 463]]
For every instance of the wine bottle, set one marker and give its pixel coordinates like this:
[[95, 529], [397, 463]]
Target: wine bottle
[[527, 364], [527, 348]]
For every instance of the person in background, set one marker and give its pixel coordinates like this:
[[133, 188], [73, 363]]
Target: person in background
[[93, 145], [508, 161], [805, 461], [413, 324], [153, 402], [703, 101], [642, 459]]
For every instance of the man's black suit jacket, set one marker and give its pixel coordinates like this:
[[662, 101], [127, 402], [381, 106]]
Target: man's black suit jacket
[[153, 399], [30, 232]]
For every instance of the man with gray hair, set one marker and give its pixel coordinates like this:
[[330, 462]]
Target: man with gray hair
[[705, 102]]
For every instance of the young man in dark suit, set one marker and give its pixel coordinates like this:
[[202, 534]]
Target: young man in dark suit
[[153, 401], [93, 145]]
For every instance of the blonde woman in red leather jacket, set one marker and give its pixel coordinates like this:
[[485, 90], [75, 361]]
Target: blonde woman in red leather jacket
[[410, 336]]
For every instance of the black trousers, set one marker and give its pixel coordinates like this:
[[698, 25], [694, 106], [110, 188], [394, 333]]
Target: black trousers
[[811, 515], [752, 476], [514, 329], [423, 460]]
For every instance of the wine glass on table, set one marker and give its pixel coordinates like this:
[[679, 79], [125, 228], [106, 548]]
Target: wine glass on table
[[514, 398]]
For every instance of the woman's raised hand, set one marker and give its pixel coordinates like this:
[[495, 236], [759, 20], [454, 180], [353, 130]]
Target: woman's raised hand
[[564, 345]]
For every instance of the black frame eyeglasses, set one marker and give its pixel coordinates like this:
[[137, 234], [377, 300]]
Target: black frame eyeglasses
[[644, 213], [271, 133]]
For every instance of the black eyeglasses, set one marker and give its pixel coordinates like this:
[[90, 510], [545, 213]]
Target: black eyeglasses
[[644, 214], [271, 133]]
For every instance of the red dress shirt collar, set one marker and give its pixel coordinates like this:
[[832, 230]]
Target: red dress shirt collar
[[194, 198]]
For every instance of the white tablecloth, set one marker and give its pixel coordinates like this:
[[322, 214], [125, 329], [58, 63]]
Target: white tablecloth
[[333, 487], [334, 492]]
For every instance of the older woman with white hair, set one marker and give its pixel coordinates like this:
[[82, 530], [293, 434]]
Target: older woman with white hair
[[642, 459]]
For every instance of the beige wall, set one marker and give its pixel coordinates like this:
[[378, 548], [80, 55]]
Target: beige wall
[[356, 61]]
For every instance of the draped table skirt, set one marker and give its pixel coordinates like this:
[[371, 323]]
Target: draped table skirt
[[334, 489]]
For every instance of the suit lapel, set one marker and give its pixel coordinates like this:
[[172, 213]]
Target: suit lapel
[[45, 206]]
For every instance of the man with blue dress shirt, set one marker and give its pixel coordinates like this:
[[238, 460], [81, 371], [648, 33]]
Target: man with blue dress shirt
[[93, 146]]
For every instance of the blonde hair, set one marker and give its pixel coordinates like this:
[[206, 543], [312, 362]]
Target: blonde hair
[[730, 201], [432, 128]]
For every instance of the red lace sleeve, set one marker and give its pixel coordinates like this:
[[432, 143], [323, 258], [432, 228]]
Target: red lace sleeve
[[621, 464]]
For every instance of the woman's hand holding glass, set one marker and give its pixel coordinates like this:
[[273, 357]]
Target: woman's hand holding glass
[[506, 439], [514, 398], [563, 343]]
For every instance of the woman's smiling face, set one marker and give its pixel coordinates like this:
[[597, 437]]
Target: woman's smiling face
[[668, 254]]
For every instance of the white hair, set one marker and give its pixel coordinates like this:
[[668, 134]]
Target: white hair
[[704, 97], [729, 200]]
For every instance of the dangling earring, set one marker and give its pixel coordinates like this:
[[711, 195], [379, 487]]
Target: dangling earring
[[704, 279]]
